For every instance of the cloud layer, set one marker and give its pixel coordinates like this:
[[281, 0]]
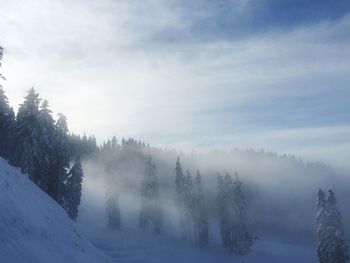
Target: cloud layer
[[189, 73]]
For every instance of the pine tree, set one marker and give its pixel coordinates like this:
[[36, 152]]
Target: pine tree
[[332, 245], [112, 204], [241, 237], [60, 158], [188, 215], [223, 207], [233, 216], [71, 190], [180, 196], [32, 141], [46, 123], [185, 201], [7, 125], [201, 213], [7, 121], [179, 183], [46, 118], [1, 56], [150, 207], [113, 211]]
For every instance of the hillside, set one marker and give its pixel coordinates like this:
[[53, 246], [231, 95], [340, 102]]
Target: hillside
[[34, 228]]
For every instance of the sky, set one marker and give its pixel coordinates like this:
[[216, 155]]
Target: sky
[[270, 74]]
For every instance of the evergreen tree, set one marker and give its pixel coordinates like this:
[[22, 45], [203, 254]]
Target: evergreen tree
[[223, 207], [150, 207], [71, 190], [332, 245], [201, 213], [179, 183], [233, 216], [188, 215], [1, 56], [7, 125], [242, 239], [185, 201], [47, 125], [112, 205], [46, 119], [7, 121], [59, 159], [113, 211], [32, 141]]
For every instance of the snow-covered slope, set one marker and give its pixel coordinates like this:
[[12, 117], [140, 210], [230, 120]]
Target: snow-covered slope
[[34, 228]]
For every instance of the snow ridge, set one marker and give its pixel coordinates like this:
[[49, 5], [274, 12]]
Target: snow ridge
[[34, 228]]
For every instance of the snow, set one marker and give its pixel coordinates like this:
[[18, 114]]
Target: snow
[[34, 228], [130, 245]]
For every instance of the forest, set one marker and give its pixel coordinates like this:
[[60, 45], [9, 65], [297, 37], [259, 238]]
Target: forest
[[234, 194]]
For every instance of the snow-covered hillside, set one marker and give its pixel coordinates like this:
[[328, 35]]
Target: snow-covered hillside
[[34, 228]]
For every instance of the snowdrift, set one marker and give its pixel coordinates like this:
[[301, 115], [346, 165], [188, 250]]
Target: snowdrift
[[34, 228]]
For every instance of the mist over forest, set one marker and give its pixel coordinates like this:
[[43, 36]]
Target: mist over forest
[[280, 190], [237, 198], [174, 131]]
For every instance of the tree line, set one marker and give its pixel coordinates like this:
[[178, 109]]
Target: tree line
[[43, 148], [192, 207]]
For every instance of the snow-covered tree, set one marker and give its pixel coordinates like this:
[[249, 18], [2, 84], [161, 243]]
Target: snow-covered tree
[[188, 213], [223, 209], [7, 121], [7, 124], [1, 56], [201, 213], [150, 208], [71, 190], [47, 125], [179, 183], [233, 215], [242, 239], [112, 205], [32, 141], [332, 245], [46, 118], [185, 201], [60, 158]]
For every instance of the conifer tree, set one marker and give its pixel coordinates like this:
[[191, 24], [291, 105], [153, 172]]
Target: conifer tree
[[150, 207], [185, 201], [223, 207], [113, 211], [332, 245], [7, 121], [201, 213], [32, 141], [59, 160], [71, 190], [112, 205], [7, 125], [47, 126], [242, 239], [179, 183], [233, 216], [188, 217], [1, 56]]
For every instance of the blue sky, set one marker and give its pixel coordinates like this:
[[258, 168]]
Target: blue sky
[[268, 74]]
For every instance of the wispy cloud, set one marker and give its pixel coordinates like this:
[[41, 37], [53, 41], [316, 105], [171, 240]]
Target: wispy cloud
[[213, 73]]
